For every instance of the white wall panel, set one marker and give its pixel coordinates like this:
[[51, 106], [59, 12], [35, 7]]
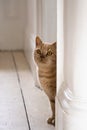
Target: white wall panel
[[72, 97], [49, 20]]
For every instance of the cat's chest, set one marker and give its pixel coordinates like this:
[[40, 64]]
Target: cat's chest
[[47, 76], [46, 72]]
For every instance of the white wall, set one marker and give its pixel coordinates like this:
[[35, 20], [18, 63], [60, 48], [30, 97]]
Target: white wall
[[12, 24], [31, 30], [49, 20]]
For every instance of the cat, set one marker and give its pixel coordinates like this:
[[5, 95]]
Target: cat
[[45, 58]]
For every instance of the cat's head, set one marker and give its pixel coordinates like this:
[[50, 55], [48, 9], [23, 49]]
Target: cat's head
[[45, 53]]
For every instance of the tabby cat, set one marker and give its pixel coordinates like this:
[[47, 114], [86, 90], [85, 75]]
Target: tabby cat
[[45, 58]]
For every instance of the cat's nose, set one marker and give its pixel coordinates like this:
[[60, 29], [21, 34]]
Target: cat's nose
[[42, 56]]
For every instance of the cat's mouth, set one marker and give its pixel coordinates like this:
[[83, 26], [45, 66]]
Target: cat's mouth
[[42, 60]]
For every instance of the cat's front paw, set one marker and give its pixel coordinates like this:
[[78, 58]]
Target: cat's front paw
[[51, 121]]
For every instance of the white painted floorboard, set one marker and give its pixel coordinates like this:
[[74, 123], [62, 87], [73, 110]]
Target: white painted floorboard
[[15, 80], [12, 113]]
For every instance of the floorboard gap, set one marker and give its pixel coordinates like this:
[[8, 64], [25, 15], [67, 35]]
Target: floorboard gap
[[21, 91]]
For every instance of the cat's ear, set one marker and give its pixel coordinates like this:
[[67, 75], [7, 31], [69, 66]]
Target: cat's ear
[[54, 44], [38, 41]]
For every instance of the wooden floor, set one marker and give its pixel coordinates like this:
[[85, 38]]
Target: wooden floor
[[22, 105]]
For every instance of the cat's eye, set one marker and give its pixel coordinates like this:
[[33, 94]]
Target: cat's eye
[[38, 51], [49, 53]]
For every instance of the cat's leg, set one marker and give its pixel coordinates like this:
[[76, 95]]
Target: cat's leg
[[51, 120]]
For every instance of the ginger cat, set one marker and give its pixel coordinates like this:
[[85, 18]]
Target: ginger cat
[[45, 58]]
